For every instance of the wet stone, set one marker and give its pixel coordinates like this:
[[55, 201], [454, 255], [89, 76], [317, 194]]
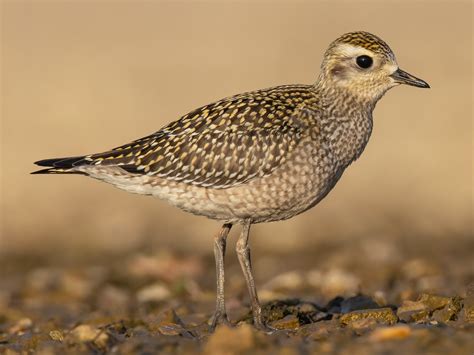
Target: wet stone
[[380, 315]]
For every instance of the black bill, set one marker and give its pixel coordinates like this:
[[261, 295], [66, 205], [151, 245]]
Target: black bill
[[402, 77]]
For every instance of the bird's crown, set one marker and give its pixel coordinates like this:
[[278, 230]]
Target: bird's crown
[[367, 41]]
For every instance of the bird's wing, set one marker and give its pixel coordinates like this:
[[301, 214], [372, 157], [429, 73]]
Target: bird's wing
[[220, 145]]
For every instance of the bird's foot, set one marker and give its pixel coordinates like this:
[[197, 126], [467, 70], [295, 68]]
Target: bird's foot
[[259, 324], [219, 318]]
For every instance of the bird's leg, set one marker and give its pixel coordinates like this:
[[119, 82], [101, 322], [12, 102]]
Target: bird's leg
[[220, 314], [243, 253]]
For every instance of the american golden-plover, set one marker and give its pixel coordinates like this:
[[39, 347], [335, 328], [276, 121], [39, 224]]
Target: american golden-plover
[[260, 156]]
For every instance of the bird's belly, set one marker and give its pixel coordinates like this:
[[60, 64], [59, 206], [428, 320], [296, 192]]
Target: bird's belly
[[281, 195]]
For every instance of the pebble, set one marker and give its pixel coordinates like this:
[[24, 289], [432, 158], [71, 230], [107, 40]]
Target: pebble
[[468, 309], [357, 303], [153, 293], [227, 341], [86, 333], [413, 311], [56, 335], [112, 298], [396, 332], [21, 325], [289, 322], [380, 315]]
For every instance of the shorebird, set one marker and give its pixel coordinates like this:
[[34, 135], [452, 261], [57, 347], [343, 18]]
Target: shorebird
[[261, 156]]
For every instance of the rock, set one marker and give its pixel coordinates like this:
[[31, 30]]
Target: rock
[[304, 311], [319, 330], [363, 324], [333, 282], [21, 325], [227, 340], [467, 314], [168, 323], [289, 322], [380, 315], [433, 302], [442, 308], [449, 312], [112, 298], [413, 311], [153, 293], [357, 303], [286, 281], [85, 333], [396, 332], [56, 335]]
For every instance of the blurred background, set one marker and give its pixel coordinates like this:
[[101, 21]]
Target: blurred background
[[81, 77]]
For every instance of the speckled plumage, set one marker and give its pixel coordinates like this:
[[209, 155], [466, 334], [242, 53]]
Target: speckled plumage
[[260, 156]]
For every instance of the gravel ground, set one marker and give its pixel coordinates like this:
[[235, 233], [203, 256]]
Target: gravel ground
[[382, 297]]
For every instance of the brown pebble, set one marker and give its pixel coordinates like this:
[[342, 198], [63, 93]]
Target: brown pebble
[[289, 322], [21, 325], [56, 335], [396, 332], [227, 340], [85, 333], [380, 315]]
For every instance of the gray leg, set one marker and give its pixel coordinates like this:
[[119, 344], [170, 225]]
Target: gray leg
[[243, 253], [220, 315]]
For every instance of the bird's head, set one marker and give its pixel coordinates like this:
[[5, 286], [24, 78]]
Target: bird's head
[[364, 65]]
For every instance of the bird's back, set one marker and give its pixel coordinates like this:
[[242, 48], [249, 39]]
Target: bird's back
[[219, 145]]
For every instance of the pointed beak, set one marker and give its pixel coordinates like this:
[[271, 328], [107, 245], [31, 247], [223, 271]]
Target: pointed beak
[[402, 77]]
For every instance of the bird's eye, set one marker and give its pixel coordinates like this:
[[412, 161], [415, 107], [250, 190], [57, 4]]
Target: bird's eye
[[364, 61]]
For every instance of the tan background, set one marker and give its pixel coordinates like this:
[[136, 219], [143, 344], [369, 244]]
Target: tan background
[[84, 76]]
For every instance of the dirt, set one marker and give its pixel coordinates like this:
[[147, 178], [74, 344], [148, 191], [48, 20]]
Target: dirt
[[355, 300]]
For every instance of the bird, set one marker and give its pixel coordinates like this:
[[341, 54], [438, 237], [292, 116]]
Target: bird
[[260, 156]]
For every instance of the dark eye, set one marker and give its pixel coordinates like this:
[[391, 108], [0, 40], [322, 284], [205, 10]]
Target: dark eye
[[364, 61]]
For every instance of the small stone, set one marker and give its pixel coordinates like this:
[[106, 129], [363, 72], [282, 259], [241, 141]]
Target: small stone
[[396, 332], [21, 325], [227, 340], [433, 302], [468, 309], [286, 281], [289, 322], [319, 330], [362, 324], [449, 312], [168, 323], [85, 333], [413, 311], [112, 298], [357, 303], [153, 293], [380, 315], [56, 335], [333, 282]]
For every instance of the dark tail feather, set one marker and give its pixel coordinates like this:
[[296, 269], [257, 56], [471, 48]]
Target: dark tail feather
[[61, 165]]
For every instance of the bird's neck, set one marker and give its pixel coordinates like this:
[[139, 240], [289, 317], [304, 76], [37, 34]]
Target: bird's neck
[[346, 122]]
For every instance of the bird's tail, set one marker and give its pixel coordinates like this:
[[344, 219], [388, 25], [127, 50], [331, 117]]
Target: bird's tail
[[61, 165]]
